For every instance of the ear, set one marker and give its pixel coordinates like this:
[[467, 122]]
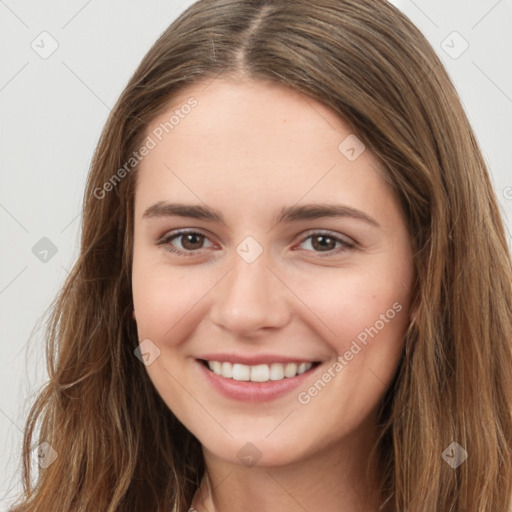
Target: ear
[[133, 315]]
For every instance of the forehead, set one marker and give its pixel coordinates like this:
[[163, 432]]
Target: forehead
[[254, 141], [267, 109]]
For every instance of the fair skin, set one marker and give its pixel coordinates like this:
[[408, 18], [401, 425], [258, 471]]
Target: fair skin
[[248, 149]]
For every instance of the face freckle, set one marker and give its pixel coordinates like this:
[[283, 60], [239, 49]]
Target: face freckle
[[215, 273]]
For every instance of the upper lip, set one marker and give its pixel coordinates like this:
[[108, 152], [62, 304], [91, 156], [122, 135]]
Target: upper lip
[[255, 359]]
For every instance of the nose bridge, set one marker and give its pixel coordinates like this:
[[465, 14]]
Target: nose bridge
[[250, 296]]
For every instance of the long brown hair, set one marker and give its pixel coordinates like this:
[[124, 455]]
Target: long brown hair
[[119, 446]]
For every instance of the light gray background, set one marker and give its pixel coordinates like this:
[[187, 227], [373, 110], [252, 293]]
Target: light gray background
[[52, 112]]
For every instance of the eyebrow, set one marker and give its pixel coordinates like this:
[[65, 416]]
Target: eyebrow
[[286, 214]]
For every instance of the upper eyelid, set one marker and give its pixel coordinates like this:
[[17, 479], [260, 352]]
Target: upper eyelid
[[181, 232]]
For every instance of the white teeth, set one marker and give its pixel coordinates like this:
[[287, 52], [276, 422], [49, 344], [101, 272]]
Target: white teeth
[[276, 371], [258, 373], [216, 367], [227, 370], [240, 371], [290, 370]]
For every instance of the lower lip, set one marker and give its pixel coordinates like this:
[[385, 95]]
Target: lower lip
[[255, 391]]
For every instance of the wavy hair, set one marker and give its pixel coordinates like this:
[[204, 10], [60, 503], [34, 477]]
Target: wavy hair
[[366, 61]]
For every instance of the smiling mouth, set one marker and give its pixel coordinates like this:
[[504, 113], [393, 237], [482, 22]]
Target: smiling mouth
[[259, 372]]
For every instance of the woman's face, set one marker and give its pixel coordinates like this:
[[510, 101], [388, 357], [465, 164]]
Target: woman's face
[[296, 253]]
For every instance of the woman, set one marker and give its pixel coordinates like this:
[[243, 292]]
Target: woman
[[294, 287]]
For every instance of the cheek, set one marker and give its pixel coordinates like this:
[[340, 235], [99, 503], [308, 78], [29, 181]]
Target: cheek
[[368, 314], [353, 303], [165, 299]]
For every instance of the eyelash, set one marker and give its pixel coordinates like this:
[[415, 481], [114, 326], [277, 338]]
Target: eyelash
[[346, 245]]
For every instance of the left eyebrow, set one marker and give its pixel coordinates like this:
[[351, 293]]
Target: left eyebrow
[[318, 211], [286, 214]]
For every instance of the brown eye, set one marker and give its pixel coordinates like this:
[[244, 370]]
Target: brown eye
[[328, 243], [323, 242], [191, 241], [185, 243]]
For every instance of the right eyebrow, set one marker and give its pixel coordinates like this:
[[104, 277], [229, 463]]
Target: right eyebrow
[[164, 209]]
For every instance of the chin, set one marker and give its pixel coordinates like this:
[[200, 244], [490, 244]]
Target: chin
[[256, 450]]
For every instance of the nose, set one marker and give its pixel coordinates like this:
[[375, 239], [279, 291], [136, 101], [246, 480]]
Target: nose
[[250, 298]]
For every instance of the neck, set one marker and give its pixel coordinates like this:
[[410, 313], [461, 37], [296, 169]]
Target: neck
[[331, 480]]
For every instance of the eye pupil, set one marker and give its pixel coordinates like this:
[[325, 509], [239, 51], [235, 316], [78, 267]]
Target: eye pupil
[[322, 246], [190, 238]]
